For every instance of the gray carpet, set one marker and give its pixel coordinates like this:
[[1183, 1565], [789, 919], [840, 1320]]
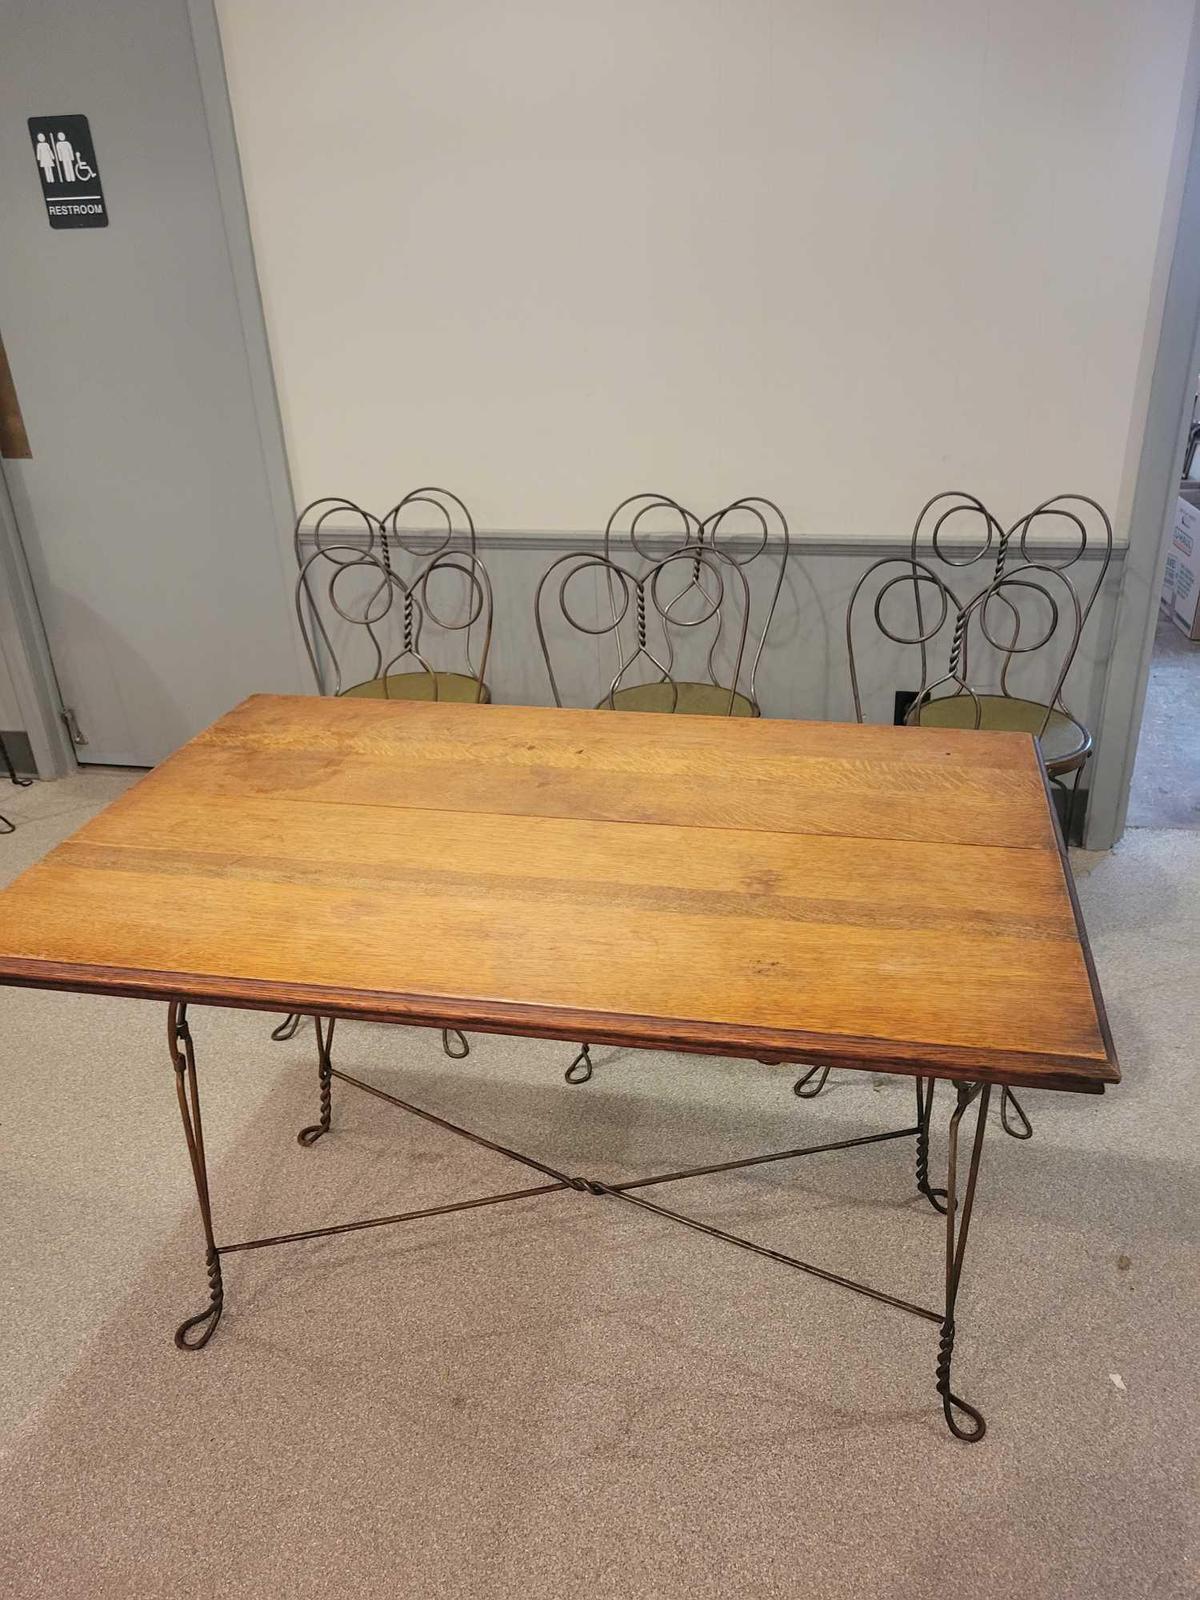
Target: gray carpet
[[1165, 792], [569, 1397]]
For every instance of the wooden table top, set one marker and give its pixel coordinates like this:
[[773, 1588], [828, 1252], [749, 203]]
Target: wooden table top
[[888, 898]]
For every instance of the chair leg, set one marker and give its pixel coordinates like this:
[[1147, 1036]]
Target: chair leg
[[580, 1069], [798, 1088], [287, 1029], [936, 1197], [1071, 806], [1025, 1129]]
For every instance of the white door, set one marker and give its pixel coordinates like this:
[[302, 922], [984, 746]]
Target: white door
[[161, 572]]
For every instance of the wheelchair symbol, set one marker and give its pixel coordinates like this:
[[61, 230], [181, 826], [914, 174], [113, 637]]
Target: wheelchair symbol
[[82, 170]]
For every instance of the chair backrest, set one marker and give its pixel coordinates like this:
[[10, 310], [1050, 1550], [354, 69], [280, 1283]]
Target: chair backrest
[[644, 520], [956, 529], [747, 530], [363, 618], [694, 592], [1016, 625], [922, 609], [1031, 609]]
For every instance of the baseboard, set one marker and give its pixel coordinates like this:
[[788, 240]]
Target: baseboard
[[20, 753]]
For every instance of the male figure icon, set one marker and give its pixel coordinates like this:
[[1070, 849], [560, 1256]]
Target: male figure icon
[[65, 152]]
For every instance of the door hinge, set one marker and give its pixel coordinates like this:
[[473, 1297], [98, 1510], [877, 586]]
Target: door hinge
[[76, 733]]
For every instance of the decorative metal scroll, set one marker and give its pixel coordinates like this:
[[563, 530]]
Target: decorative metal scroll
[[713, 587], [651, 516], [349, 573]]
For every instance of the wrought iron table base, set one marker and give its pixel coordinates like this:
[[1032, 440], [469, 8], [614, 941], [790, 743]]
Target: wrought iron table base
[[962, 1418]]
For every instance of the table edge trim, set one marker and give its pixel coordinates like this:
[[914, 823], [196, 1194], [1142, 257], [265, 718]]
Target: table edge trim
[[1078, 1074], [1085, 944]]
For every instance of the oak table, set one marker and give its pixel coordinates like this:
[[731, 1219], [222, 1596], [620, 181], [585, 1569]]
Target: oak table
[[891, 899]]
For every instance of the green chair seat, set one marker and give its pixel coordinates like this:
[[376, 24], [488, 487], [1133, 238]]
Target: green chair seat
[[1064, 745], [686, 699], [455, 686]]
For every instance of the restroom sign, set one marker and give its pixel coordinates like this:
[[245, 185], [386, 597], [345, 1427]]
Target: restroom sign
[[69, 172]]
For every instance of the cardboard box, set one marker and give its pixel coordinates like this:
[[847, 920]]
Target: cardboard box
[[1181, 586]]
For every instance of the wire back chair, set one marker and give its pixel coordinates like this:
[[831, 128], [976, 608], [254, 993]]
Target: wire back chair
[[354, 604], [429, 614], [955, 537], [1063, 738], [1031, 608], [649, 525], [692, 591]]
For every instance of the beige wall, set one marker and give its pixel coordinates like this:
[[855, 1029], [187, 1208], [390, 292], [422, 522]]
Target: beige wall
[[842, 252]]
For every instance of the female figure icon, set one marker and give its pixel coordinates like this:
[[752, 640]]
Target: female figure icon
[[45, 159]]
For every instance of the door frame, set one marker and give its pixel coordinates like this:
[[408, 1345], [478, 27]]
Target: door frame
[[23, 641], [235, 218], [26, 653], [1171, 355]]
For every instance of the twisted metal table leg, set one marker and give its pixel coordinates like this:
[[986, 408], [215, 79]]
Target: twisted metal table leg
[[463, 1049], [958, 1222], [810, 1094], [195, 1333], [936, 1197], [287, 1028], [580, 1069], [310, 1135]]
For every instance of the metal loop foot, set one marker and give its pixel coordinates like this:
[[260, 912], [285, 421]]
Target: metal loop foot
[[463, 1048], [580, 1069], [310, 1135], [1025, 1130], [810, 1094], [287, 1029], [952, 1403], [977, 1428], [207, 1320]]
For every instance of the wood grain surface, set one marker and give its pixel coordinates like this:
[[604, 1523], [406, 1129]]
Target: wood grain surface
[[890, 898]]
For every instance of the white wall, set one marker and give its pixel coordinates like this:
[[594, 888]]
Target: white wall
[[841, 252]]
